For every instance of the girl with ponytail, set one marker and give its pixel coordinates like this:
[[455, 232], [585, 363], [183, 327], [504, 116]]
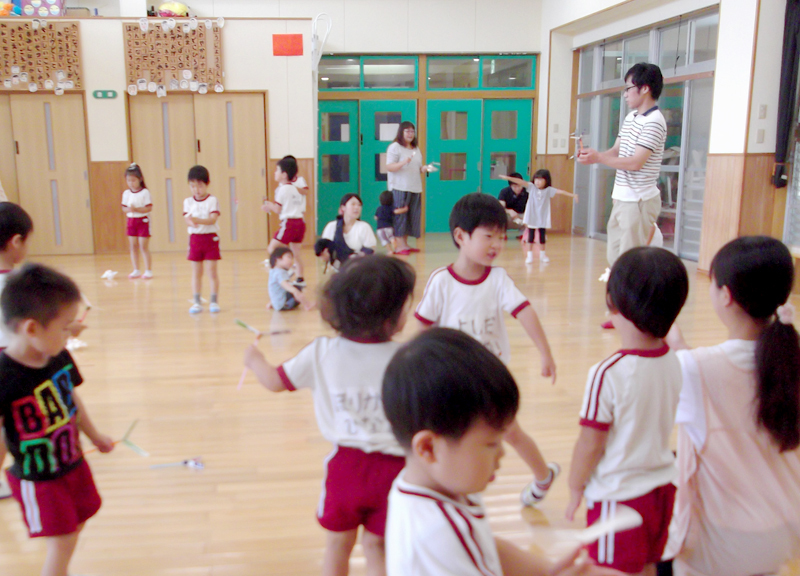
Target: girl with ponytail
[[737, 509]]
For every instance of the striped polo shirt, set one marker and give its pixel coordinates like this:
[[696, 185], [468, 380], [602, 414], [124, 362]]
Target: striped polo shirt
[[650, 131]]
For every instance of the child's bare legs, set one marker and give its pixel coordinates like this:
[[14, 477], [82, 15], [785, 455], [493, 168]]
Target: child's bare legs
[[213, 277], [298, 262], [59, 553], [375, 553], [197, 279], [338, 547], [528, 451], [144, 246], [134, 252]]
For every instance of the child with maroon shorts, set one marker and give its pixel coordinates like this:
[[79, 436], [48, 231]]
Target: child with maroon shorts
[[137, 205], [367, 302], [289, 205], [201, 211], [42, 415]]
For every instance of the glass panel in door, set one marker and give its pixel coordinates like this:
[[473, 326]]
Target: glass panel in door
[[506, 142], [338, 156]]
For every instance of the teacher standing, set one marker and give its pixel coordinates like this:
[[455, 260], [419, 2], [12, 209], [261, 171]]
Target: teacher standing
[[404, 163]]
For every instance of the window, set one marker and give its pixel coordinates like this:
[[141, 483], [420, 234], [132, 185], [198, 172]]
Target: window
[[612, 61], [507, 72], [704, 39], [674, 42], [449, 73], [394, 73], [367, 73], [637, 49], [339, 73], [481, 72]]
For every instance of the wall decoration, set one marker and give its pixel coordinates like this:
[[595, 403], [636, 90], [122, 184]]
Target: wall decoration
[[39, 56], [287, 44], [168, 55]]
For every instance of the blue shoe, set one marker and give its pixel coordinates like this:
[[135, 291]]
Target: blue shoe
[[195, 309], [213, 307]]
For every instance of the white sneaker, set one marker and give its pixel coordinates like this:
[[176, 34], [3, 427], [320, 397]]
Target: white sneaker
[[535, 491], [134, 274], [213, 307], [195, 309], [147, 275], [543, 257], [529, 258]]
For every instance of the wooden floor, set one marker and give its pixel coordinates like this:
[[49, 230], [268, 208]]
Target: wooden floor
[[251, 511]]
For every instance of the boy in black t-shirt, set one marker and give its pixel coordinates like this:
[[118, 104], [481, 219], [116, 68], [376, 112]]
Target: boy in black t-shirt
[[41, 414], [385, 216]]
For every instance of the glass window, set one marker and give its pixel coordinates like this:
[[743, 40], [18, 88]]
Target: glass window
[[341, 73], [704, 44], [671, 106], [380, 167], [390, 73], [444, 73], [507, 72], [502, 164], [586, 81], [335, 168], [637, 49], [673, 45], [612, 61], [386, 125], [453, 166], [454, 125], [504, 124], [335, 127]]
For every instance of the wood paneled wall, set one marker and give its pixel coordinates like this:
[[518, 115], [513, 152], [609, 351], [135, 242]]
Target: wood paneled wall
[[763, 205], [106, 185], [306, 170], [562, 171]]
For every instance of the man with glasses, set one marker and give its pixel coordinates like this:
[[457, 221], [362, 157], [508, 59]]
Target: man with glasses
[[636, 155]]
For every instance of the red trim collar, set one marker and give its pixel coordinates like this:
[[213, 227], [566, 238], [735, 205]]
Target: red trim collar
[[470, 282], [5, 271], [654, 353], [196, 199]]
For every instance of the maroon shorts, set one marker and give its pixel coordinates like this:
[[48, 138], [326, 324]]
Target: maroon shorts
[[56, 507], [355, 491], [139, 227], [292, 231], [203, 247], [629, 551]]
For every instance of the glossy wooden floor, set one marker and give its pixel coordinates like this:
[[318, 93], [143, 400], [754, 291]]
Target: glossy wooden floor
[[251, 511]]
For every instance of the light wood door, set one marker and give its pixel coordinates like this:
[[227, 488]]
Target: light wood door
[[52, 171], [231, 143], [162, 134], [8, 168]]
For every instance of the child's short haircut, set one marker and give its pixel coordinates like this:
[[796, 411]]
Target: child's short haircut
[[277, 254], [13, 220], [288, 165], [199, 174], [545, 175], [36, 292], [648, 286], [645, 74], [475, 210], [444, 381], [386, 198], [364, 300]]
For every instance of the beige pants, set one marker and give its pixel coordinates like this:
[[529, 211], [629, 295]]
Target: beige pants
[[629, 225]]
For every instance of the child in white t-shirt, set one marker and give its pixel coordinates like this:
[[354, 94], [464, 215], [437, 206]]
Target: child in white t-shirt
[[450, 402], [137, 205], [537, 211], [290, 206], [470, 295], [201, 211], [623, 453], [366, 303]]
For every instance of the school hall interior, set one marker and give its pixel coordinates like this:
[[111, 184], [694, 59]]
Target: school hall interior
[[493, 87]]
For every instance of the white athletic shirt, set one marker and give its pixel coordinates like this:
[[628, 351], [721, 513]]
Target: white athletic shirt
[[633, 395], [473, 306], [292, 203], [345, 378], [5, 335], [537, 210], [360, 235], [428, 534], [201, 209], [139, 199], [409, 177], [648, 130]]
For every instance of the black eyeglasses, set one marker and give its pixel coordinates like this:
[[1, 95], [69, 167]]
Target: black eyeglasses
[[625, 91]]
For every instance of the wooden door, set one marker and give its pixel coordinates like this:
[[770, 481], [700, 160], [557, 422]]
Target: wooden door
[[231, 143], [163, 143], [52, 171], [8, 168]]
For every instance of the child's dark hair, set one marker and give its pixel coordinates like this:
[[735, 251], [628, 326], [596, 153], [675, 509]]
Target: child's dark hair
[[474, 210], [199, 174], [36, 292], [644, 74], [288, 165], [648, 286], [758, 271], [386, 198], [544, 173], [444, 381], [13, 221], [516, 175], [323, 244], [365, 299], [400, 139], [135, 170], [277, 254]]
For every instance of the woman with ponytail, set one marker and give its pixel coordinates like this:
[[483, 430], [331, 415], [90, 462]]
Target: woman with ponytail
[[737, 509]]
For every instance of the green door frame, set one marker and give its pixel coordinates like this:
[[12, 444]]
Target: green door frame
[[519, 145], [342, 173]]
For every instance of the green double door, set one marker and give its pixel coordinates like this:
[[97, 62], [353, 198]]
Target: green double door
[[475, 141], [353, 138]]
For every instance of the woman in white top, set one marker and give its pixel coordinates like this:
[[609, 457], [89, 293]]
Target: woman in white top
[[356, 234], [405, 166]]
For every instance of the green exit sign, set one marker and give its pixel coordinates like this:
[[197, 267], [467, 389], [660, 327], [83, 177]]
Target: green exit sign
[[104, 94]]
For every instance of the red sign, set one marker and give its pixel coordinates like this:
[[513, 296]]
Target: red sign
[[287, 44]]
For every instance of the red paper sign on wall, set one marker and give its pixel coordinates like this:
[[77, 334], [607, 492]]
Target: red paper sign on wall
[[287, 44]]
